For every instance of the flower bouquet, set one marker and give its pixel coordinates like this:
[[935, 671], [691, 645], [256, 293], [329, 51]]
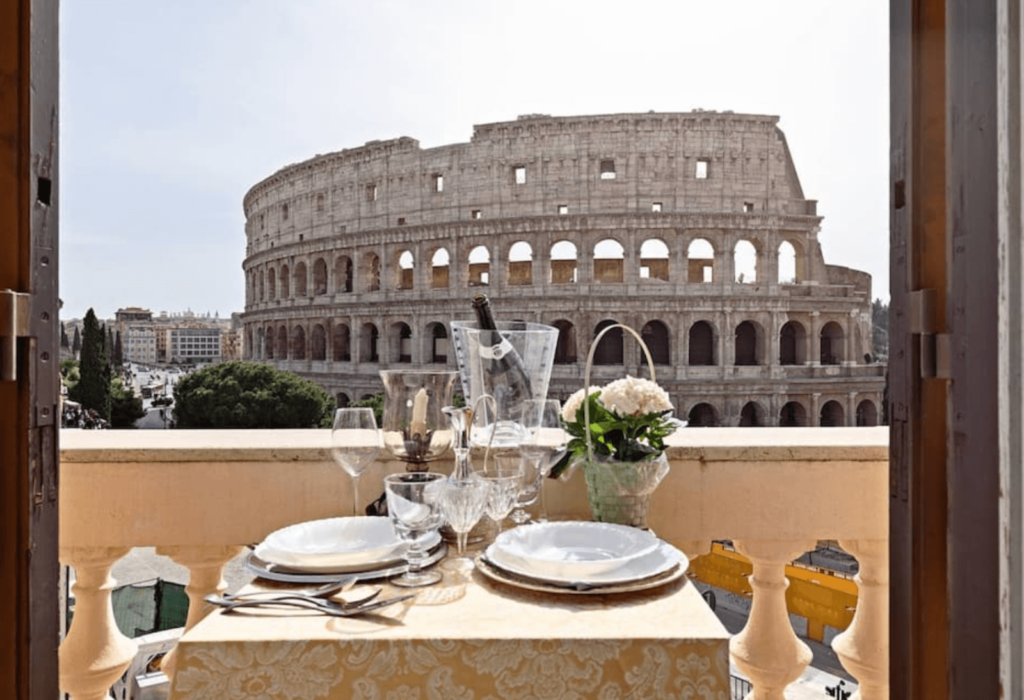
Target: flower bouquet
[[617, 437]]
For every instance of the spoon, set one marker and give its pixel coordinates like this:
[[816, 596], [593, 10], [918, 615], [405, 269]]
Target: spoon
[[325, 591], [320, 605]]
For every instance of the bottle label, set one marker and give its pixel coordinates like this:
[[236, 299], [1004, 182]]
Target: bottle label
[[496, 352]]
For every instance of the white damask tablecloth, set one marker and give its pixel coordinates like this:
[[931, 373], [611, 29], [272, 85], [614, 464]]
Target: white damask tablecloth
[[469, 639]]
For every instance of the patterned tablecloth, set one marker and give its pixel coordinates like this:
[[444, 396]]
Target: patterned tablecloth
[[467, 639]]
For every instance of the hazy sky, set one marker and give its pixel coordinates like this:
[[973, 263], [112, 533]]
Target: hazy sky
[[171, 111]]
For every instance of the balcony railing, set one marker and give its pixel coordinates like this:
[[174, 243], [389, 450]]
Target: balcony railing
[[200, 496]]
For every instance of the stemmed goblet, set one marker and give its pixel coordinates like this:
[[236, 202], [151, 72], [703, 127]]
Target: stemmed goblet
[[355, 442], [546, 441], [463, 502], [528, 486], [414, 506], [501, 499]]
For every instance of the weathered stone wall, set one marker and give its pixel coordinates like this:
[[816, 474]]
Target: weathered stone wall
[[350, 252]]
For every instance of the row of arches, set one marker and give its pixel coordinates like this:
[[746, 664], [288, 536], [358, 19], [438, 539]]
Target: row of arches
[[608, 264], [704, 344], [795, 414]]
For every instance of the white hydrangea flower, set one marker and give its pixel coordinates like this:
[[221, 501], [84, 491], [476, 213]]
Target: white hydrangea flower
[[633, 396], [573, 403]]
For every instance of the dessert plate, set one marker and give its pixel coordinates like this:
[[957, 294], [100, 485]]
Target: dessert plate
[[571, 550], [335, 545]]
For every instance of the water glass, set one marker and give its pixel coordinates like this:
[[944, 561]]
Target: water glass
[[414, 506]]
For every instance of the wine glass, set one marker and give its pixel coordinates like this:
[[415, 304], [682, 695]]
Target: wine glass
[[414, 506], [501, 499], [463, 502], [546, 441], [355, 442]]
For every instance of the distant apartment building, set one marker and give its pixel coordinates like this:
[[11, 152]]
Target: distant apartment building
[[194, 344], [175, 337], [139, 344]]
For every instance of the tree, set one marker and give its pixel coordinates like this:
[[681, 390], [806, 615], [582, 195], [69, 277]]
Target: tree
[[118, 350], [108, 344], [76, 344], [880, 328], [93, 387], [69, 371], [64, 342], [125, 406], [249, 395], [376, 402]]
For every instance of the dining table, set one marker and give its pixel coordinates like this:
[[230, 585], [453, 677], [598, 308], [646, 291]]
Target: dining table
[[470, 637]]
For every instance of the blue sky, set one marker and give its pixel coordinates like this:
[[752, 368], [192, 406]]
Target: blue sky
[[170, 111]]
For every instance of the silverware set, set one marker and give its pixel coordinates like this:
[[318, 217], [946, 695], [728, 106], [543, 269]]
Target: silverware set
[[318, 600]]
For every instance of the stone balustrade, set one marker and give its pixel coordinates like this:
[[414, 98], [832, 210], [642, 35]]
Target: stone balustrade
[[200, 496]]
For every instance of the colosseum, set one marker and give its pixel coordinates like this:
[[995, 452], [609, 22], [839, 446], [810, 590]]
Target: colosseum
[[690, 227]]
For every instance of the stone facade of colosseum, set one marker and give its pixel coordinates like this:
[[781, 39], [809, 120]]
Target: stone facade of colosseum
[[691, 228]]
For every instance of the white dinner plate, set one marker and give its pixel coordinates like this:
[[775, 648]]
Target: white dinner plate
[[571, 550], [496, 573], [335, 545], [650, 566], [272, 572]]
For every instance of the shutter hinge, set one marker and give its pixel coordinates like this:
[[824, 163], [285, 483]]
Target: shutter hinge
[[14, 317], [935, 347]]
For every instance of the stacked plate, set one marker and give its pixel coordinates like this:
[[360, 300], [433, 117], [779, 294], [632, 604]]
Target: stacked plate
[[321, 550], [582, 557]]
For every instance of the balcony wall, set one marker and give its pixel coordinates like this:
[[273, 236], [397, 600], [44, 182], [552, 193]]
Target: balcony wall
[[200, 496]]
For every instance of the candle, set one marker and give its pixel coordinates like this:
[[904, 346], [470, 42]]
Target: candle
[[418, 424]]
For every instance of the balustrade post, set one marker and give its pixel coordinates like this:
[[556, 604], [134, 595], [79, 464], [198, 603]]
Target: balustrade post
[[205, 566], [863, 648], [767, 649], [694, 548], [95, 653]]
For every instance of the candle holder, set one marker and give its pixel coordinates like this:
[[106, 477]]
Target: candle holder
[[415, 428]]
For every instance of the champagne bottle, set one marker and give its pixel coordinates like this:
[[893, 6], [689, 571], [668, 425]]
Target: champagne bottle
[[510, 380]]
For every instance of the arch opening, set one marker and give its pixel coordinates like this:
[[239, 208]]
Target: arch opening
[[564, 259], [609, 349]]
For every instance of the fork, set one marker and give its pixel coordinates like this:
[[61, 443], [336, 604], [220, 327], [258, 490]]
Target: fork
[[315, 598], [325, 591], [320, 605]]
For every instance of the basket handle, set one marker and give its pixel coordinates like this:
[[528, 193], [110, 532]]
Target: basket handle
[[586, 377]]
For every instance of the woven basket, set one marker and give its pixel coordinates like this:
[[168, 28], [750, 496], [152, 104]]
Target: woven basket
[[619, 492]]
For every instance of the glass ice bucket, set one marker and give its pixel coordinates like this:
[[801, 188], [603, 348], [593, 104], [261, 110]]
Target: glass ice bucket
[[535, 343]]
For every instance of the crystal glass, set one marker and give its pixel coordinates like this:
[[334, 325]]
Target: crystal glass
[[414, 506], [355, 443], [528, 486], [546, 441], [501, 499], [416, 430], [463, 502]]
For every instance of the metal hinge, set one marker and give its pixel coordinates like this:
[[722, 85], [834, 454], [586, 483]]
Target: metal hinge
[[935, 352], [14, 317]]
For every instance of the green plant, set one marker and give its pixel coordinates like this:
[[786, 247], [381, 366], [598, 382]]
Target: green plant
[[628, 422]]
